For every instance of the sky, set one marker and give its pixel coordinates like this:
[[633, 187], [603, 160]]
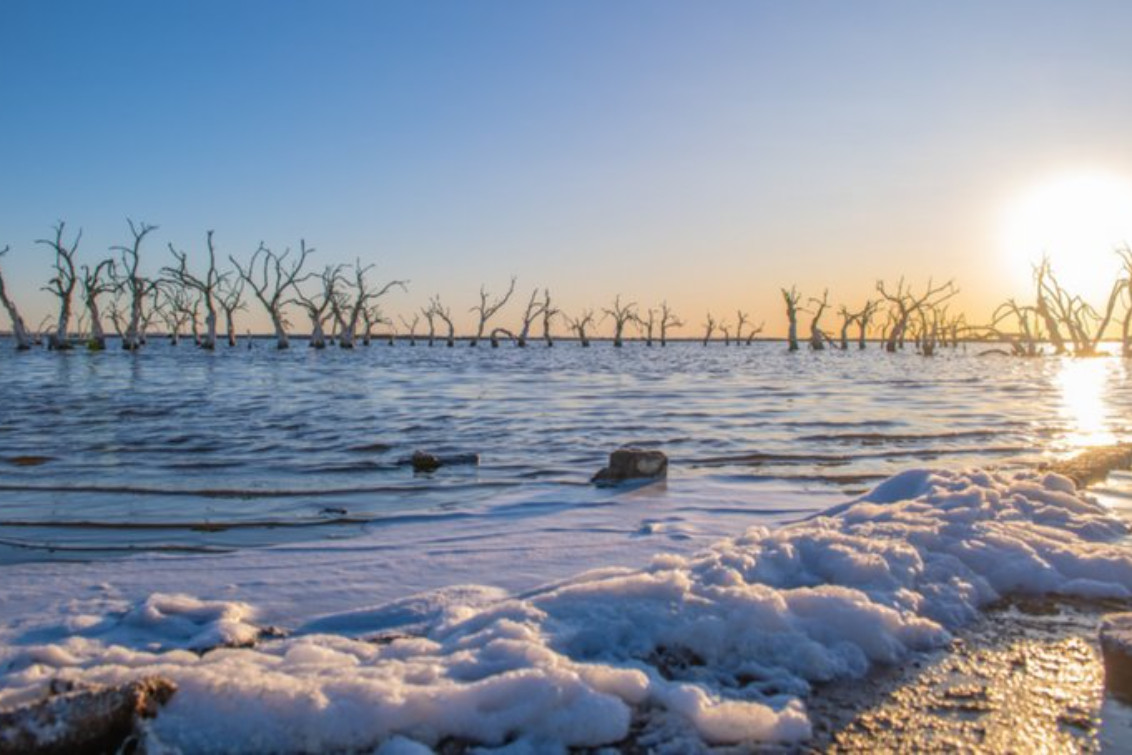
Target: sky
[[706, 154]]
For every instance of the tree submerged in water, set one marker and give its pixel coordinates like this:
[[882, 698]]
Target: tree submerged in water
[[345, 300]]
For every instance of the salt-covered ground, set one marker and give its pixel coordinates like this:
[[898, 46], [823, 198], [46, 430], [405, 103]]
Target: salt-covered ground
[[706, 645]]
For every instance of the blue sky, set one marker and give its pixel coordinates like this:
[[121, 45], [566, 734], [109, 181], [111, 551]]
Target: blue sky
[[706, 153]]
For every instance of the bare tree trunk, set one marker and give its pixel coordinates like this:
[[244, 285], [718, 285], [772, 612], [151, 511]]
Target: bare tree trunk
[[445, 314], [621, 314], [486, 311], [62, 284], [791, 298], [135, 285], [668, 319], [817, 335], [548, 314], [270, 281], [20, 331], [709, 328], [534, 309]]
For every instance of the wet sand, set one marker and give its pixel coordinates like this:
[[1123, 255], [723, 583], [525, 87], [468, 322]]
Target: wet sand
[[1025, 677]]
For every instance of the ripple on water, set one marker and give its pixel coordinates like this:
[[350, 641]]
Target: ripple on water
[[110, 441]]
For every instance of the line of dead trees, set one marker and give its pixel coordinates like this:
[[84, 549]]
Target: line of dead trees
[[343, 304], [917, 317], [342, 301], [1063, 319]]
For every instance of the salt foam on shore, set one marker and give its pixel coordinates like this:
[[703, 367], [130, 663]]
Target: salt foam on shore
[[716, 648]]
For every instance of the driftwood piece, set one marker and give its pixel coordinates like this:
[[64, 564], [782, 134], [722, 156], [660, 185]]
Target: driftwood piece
[[1094, 464]]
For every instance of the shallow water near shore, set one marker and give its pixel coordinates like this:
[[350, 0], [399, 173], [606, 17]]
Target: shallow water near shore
[[176, 449]]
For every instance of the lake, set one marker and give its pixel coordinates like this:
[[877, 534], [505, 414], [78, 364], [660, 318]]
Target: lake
[[178, 449]]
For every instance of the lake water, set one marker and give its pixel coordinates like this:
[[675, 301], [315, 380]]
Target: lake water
[[178, 449]]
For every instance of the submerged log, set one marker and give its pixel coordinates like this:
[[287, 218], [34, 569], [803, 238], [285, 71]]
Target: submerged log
[[633, 464], [1094, 464], [91, 719]]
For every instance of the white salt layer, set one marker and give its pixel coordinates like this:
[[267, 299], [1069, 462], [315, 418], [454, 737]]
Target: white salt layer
[[720, 647]]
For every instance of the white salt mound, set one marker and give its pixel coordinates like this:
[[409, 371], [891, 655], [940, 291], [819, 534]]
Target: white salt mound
[[717, 648]]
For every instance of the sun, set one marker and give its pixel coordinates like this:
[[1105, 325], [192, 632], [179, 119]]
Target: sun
[[1077, 221]]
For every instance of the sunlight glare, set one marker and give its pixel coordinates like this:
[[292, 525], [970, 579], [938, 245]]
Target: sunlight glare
[[1083, 385], [1078, 221]]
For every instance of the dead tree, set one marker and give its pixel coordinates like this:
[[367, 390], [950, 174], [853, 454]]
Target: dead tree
[[207, 287], [754, 332], [20, 332], [864, 317], [1126, 325], [668, 319], [742, 318], [94, 286], [496, 332], [1085, 325], [62, 284], [116, 313], [791, 298], [847, 320], [648, 326], [372, 316], [411, 327], [1024, 342], [904, 305], [930, 327], [580, 323], [817, 335], [725, 329], [1125, 253], [621, 314], [430, 318], [1100, 322], [534, 309], [176, 307], [318, 305], [42, 330], [487, 311], [445, 314], [271, 278], [1042, 276], [231, 299], [709, 328], [548, 314], [136, 288], [365, 296]]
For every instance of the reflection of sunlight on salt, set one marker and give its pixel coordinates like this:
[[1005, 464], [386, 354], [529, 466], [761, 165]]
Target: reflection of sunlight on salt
[[1083, 385]]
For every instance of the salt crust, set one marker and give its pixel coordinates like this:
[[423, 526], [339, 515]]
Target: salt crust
[[717, 648]]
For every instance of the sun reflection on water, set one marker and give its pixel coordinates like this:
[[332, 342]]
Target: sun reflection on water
[[1083, 387]]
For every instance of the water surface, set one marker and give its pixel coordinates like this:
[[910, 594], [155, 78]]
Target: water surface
[[176, 448]]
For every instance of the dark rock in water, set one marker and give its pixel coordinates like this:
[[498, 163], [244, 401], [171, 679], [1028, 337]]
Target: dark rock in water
[[1116, 647], [633, 464], [422, 461], [90, 719], [29, 461]]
